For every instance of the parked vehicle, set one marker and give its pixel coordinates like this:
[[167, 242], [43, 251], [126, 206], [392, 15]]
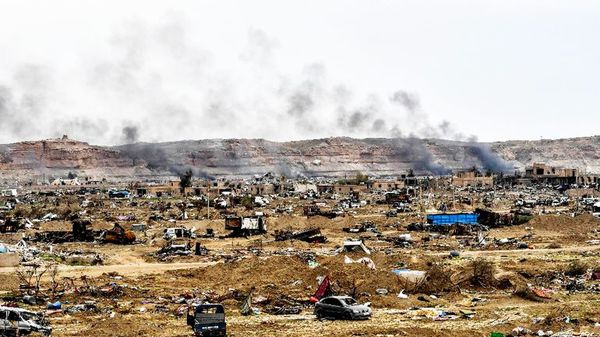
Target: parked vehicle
[[207, 320], [342, 307], [19, 322]]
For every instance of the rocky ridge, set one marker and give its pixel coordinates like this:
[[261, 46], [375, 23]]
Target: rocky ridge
[[327, 157]]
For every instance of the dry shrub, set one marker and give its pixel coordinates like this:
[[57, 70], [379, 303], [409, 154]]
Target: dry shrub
[[437, 279], [482, 274], [477, 274], [65, 211], [576, 268]]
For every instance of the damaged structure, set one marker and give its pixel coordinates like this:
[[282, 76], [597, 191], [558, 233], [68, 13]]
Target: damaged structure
[[246, 226]]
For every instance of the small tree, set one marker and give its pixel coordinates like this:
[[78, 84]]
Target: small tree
[[247, 202], [53, 274], [31, 275], [361, 178]]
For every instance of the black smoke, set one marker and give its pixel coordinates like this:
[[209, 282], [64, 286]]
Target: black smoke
[[300, 103], [130, 134], [133, 75], [152, 155], [415, 153], [408, 100], [158, 76], [489, 160], [184, 170]]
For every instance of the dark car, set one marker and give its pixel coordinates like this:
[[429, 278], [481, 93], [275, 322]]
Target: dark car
[[207, 320], [342, 307]]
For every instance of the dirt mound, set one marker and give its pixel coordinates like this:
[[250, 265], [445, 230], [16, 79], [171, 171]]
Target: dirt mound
[[8, 282], [357, 278], [580, 224], [290, 276]]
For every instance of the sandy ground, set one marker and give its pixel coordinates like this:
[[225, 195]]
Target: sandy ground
[[153, 290]]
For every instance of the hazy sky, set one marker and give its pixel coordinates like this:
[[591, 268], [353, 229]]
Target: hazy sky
[[109, 72]]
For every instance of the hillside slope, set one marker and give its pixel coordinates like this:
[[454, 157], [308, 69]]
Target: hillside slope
[[330, 156]]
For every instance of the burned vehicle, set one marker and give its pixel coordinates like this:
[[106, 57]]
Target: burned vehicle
[[207, 320], [179, 247], [179, 232], [246, 226], [19, 322], [117, 235], [342, 307], [311, 235], [314, 210], [118, 194]]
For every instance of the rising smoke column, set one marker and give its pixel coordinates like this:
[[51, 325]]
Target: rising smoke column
[[489, 160], [157, 84]]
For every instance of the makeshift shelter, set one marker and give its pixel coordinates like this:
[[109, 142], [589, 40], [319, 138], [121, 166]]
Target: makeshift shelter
[[324, 290], [355, 246]]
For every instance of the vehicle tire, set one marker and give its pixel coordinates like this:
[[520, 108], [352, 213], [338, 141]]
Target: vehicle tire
[[347, 316], [318, 314]]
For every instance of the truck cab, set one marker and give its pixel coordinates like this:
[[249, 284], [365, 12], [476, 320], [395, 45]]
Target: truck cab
[[207, 320]]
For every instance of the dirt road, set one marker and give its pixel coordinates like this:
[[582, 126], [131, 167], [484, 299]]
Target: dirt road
[[540, 251], [129, 269], [136, 267]]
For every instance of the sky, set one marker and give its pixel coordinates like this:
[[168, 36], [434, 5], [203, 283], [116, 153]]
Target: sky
[[114, 72]]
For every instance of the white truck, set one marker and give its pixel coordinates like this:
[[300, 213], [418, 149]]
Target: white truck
[[245, 226]]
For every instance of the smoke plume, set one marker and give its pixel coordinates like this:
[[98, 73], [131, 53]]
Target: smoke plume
[[130, 134], [157, 83], [489, 160]]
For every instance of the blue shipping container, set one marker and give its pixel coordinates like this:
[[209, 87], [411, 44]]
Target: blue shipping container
[[452, 219]]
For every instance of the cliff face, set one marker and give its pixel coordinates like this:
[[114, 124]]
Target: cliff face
[[581, 152], [59, 154], [330, 156], [337, 156]]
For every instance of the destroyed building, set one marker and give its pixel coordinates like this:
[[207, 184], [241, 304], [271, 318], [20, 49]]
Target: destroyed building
[[341, 188], [543, 173], [171, 188], [386, 184], [245, 226], [264, 188], [472, 178]]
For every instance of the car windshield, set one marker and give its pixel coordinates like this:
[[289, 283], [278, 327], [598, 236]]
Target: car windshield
[[30, 316], [212, 309], [350, 301]]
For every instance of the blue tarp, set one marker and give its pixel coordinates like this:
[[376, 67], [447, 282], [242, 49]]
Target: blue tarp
[[54, 306], [452, 219]]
